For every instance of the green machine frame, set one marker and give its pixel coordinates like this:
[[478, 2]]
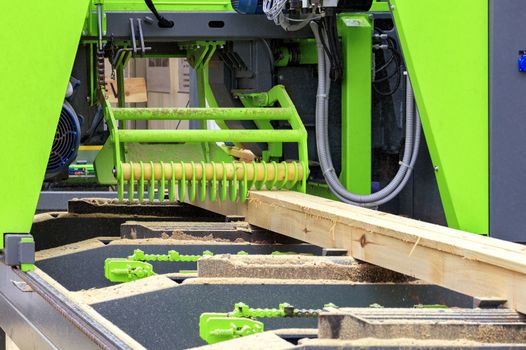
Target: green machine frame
[[451, 92]]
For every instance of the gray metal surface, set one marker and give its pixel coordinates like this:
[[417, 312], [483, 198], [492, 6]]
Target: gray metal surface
[[31, 321], [96, 332], [169, 318], [17, 252], [197, 26], [58, 200], [507, 122]]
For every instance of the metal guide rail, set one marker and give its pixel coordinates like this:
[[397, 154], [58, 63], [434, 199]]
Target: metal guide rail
[[37, 315]]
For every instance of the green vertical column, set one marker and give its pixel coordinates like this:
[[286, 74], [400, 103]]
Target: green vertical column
[[356, 33], [202, 81]]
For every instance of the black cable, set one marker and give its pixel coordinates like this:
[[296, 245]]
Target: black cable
[[331, 44], [396, 57], [334, 43], [97, 120], [162, 22], [386, 64], [390, 92]]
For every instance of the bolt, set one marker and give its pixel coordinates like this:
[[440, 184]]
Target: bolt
[[392, 7], [436, 168], [114, 171]]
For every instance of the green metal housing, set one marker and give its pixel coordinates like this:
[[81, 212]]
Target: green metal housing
[[33, 88], [445, 45], [447, 59]]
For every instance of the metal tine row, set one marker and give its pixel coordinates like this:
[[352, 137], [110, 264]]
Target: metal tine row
[[193, 189]]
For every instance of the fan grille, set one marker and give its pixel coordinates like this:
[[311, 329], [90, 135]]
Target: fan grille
[[66, 142]]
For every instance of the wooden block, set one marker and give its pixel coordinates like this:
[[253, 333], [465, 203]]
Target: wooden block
[[134, 90]]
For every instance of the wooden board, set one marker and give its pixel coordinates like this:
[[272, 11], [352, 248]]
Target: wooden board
[[475, 265], [134, 90]]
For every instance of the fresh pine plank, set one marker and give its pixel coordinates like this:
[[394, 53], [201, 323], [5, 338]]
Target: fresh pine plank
[[471, 264]]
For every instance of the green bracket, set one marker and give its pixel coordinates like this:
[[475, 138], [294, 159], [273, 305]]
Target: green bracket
[[240, 322], [216, 327], [199, 55], [380, 6], [135, 266], [356, 32], [126, 270]]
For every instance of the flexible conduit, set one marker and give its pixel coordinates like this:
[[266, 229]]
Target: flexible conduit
[[411, 147]]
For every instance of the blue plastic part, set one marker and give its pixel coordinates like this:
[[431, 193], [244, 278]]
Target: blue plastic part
[[522, 63], [248, 7], [66, 142]]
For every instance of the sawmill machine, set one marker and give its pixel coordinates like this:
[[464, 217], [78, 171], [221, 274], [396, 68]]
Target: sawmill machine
[[407, 107], [322, 93]]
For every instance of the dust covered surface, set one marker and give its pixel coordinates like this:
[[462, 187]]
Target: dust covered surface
[[367, 342], [68, 249], [296, 267], [122, 290]]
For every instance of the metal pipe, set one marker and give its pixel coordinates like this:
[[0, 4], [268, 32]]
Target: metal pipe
[[201, 113], [160, 136], [99, 22]]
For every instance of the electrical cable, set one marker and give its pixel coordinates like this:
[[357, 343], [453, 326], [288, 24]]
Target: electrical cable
[[394, 58], [162, 22]]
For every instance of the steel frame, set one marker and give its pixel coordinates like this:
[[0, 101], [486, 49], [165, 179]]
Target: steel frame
[[37, 316]]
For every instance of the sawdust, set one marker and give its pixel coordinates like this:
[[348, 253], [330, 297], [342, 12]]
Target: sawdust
[[367, 342], [298, 331], [48, 216], [123, 290], [211, 238], [68, 249], [171, 241], [183, 236], [295, 267], [264, 281], [259, 341]]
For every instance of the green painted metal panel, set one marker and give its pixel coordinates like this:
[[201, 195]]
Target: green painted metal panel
[[37, 58], [380, 6], [356, 32], [168, 5], [90, 27], [445, 45]]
